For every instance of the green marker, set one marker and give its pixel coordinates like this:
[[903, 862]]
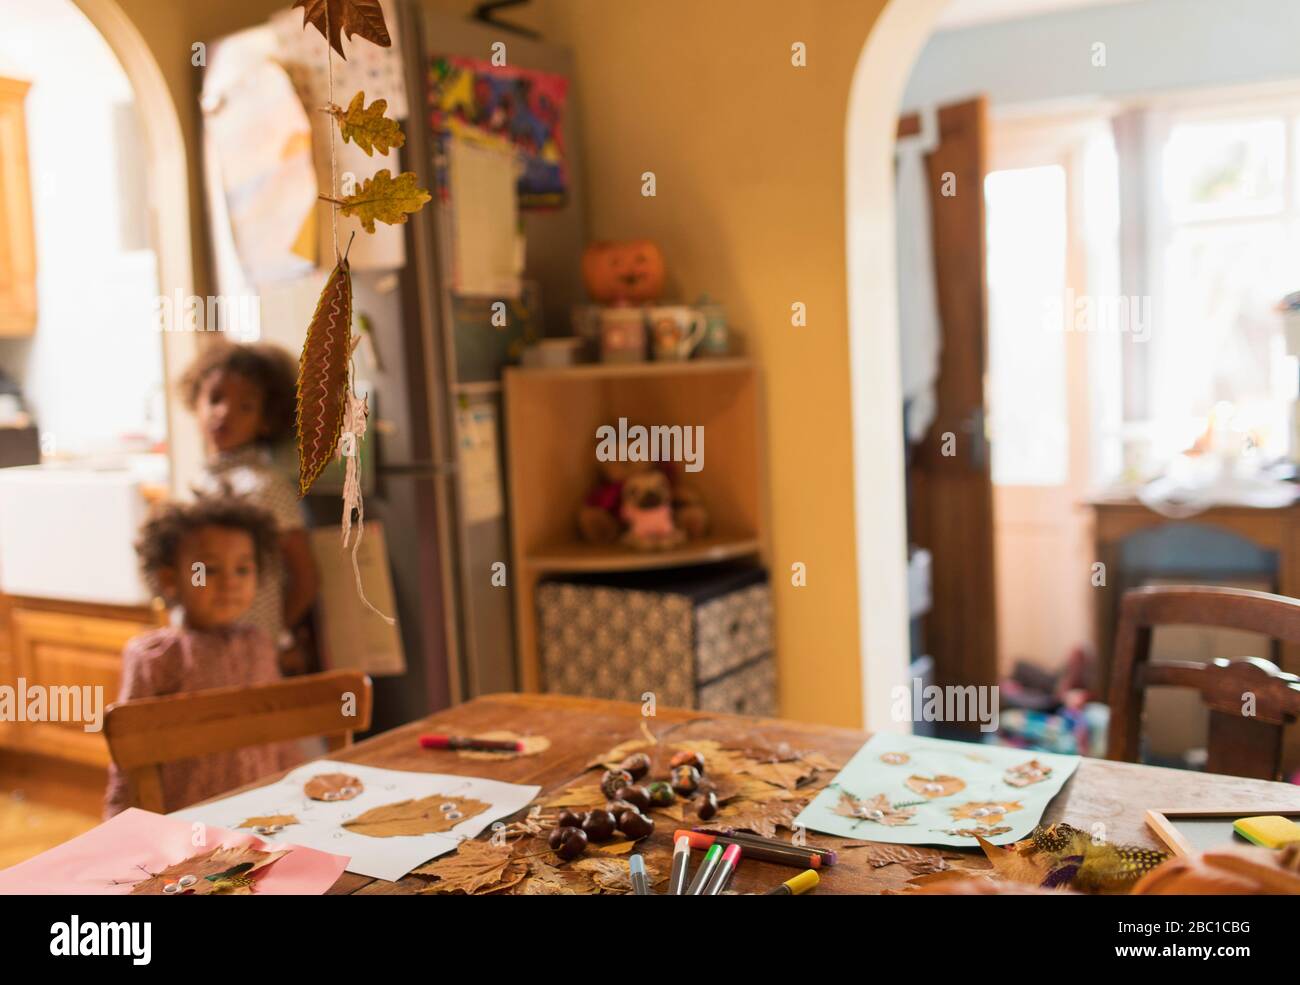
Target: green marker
[[702, 877]]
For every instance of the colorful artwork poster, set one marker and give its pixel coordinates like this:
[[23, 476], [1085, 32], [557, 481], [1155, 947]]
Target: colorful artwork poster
[[914, 790], [520, 107]]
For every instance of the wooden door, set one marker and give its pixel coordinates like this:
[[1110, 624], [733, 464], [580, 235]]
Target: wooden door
[[950, 491]]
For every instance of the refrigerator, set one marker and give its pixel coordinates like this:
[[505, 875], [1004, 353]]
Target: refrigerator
[[448, 548]]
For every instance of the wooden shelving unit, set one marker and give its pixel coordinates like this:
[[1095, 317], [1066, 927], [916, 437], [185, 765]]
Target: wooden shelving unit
[[551, 417]]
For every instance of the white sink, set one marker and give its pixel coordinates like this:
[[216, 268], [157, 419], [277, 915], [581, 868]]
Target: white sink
[[69, 533]]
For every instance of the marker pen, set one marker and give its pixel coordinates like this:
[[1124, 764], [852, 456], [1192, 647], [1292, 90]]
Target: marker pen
[[705, 873], [640, 882], [681, 866], [730, 859], [800, 884]]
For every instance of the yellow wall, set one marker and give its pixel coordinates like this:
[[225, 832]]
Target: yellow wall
[[748, 152]]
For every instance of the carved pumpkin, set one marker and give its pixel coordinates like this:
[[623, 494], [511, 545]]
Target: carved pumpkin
[[630, 272]]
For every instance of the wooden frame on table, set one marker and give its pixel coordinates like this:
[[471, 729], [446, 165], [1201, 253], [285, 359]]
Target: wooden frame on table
[[1161, 822]]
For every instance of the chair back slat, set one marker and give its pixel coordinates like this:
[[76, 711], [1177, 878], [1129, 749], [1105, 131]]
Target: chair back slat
[[1250, 699], [146, 733]]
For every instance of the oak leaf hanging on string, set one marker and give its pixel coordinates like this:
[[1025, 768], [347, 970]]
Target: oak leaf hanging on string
[[323, 377], [367, 126], [362, 18], [386, 199]]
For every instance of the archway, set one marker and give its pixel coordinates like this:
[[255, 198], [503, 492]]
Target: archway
[[876, 91], [169, 206]]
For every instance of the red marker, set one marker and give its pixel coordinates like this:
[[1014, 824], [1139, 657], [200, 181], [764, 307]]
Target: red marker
[[730, 859], [436, 741]]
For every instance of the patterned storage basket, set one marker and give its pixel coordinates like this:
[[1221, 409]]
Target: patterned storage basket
[[695, 637]]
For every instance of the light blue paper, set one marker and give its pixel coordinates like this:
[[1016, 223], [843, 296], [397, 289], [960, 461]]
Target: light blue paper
[[982, 768]]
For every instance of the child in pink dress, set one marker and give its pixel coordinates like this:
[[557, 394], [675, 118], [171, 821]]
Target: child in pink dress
[[205, 558]]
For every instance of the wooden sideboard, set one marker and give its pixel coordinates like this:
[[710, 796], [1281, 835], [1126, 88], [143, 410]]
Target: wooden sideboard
[[55, 643]]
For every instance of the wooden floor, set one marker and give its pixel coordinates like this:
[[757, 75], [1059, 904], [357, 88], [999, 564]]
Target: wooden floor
[[28, 828]]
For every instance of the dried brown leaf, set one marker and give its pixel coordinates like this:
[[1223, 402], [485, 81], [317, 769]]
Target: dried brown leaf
[[350, 18], [264, 822], [476, 867], [931, 787], [423, 816], [220, 871], [877, 810]]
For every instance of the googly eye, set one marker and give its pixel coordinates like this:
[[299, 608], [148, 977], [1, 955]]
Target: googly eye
[[454, 815], [934, 788], [185, 882], [349, 792], [273, 829], [172, 888], [446, 808], [329, 795]]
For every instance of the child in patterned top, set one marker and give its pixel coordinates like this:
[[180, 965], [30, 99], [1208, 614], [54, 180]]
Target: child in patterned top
[[243, 397], [204, 558]]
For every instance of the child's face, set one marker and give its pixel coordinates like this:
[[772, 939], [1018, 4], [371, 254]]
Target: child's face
[[230, 411], [215, 577]]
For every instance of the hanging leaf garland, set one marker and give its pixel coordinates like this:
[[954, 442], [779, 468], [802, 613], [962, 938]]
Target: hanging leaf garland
[[323, 377], [363, 18]]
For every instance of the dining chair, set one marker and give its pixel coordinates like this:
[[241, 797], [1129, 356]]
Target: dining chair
[[1250, 699], [146, 733]]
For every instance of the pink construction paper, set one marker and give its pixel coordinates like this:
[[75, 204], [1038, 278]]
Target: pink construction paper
[[90, 864]]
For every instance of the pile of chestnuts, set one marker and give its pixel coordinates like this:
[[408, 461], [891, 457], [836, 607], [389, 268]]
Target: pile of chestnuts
[[630, 801]]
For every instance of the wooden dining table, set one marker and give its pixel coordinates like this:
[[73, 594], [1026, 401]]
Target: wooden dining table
[[1114, 796]]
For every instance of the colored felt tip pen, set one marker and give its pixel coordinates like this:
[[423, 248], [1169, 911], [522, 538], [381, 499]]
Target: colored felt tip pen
[[726, 868], [436, 741], [711, 859], [681, 866], [817, 857], [800, 884], [761, 851], [640, 882]]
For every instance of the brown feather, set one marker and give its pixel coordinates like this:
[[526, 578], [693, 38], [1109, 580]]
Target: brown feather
[[323, 377]]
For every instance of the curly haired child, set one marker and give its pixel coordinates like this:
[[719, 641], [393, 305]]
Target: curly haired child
[[243, 397], [203, 557]]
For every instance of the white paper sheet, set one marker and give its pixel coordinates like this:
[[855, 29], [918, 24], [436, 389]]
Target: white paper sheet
[[485, 220], [320, 822]]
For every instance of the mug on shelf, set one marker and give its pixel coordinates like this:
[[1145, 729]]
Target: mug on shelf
[[622, 335], [675, 331]]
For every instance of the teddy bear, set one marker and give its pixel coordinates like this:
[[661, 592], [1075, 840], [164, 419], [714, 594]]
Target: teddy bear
[[640, 504]]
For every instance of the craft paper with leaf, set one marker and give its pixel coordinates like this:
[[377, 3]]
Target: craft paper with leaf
[[949, 793], [221, 871], [424, 816]]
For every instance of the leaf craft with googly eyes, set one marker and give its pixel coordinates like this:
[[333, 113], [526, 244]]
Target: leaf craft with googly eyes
[[424, 816], [332, 787]]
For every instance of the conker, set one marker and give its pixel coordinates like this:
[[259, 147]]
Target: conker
[[637, 764], [612, 781], [685, 780], [687, 758], [569, 820], [556, 836], [599, 825], [661, 794], [573, 842], [636, 825], [708, 806], [638, 797]]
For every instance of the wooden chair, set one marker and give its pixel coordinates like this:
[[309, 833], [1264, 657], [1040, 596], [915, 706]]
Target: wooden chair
[[1240, 743], [148, 732]]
